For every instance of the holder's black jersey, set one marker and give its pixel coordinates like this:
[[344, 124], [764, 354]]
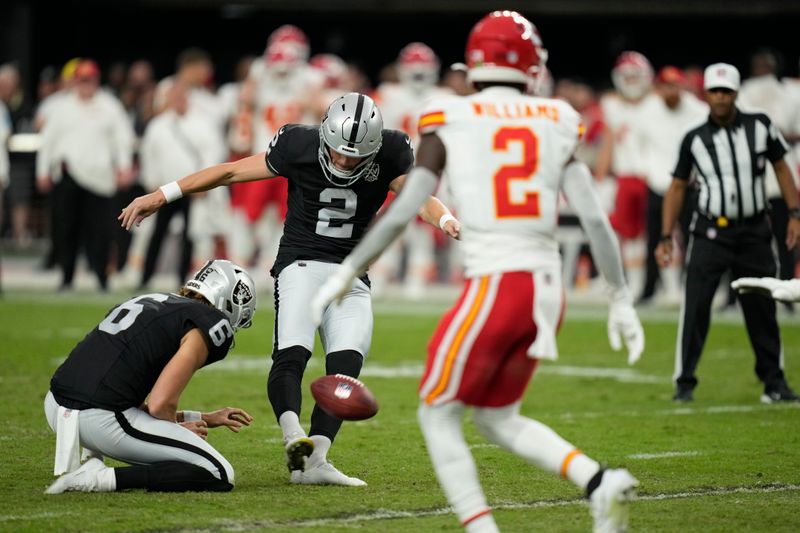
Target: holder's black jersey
[[116, 365], [324, 222]]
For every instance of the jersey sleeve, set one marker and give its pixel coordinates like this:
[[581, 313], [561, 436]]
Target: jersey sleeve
[[399, 156], [213, 326], [683, 168], [433, 116], [776, 144], [278, 151]]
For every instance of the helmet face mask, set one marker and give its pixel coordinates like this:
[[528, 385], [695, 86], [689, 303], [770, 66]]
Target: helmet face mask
[[229, 288], [353, 126], [632, 75], [505, 47], [418, 66]]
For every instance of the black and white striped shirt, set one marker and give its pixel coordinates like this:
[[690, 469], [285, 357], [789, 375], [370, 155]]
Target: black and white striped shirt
[[729, 164]]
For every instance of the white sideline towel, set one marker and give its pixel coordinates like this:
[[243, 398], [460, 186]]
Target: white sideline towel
[[68, 448]]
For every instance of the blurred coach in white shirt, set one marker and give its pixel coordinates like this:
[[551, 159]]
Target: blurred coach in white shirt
[[664, 118], [86, 152], [178, 142]]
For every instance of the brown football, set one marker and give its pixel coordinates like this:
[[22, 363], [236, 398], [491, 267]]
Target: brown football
[[344, 397]]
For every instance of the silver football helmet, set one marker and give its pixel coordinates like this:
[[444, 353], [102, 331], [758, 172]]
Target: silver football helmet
[[353, 126], [229, 288]]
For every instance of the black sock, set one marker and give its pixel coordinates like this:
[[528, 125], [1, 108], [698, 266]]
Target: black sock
[[169, 476], [347, 362], [594, 482], [285, 378]]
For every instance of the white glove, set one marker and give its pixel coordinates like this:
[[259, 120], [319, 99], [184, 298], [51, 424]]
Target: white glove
[[623, 323], [783, 290], [333, 290]]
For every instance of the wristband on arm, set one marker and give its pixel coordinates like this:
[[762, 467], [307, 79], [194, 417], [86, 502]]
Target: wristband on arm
[[447, 217], [192, 416], [171, 191]]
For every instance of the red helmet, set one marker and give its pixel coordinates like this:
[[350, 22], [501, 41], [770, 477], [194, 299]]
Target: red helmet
[[282, 57], [332, 67], [632, 74], [291, 35], [417, 63], [505, 47]]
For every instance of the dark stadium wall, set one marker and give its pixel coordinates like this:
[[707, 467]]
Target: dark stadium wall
[[583, 46]]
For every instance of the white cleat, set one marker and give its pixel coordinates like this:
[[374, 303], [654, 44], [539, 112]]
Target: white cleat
[[297, 451], [324, 474], [84, 479], [610, 501]]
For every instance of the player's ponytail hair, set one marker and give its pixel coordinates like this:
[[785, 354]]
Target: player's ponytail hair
[[194, 295]]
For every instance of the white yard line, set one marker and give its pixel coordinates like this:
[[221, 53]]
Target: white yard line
[[389, 514], [663, 455], [249, 363]]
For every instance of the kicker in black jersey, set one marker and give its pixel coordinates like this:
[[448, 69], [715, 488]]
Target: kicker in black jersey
[[324, 222], [116, 365]]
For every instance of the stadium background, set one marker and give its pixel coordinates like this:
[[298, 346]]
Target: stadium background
[[584, 37]]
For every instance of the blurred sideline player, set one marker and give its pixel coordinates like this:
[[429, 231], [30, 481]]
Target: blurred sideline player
[[511, 154], [336, 81], [283, 87], [621, 156], [401, 102], [339, 174], [118, 392]]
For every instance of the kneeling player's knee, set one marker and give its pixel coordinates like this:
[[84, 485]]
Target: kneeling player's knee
[[347, 362]]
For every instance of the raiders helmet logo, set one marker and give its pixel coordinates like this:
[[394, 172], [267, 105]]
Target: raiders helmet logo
[[241, 294]]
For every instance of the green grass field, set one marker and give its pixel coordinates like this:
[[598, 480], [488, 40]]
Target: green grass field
[[725, 463]]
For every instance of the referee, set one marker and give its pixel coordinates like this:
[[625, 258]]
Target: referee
[[730, 229]]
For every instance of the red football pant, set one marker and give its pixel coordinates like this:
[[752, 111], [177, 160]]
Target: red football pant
[[478, 354]]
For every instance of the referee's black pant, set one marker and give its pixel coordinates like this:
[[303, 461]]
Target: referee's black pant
[[745, 249], [163, 218]]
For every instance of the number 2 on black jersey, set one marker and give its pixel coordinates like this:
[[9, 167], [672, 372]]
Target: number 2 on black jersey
[[326, 215]]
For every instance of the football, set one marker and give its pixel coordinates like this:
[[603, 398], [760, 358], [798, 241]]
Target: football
[[344, 397]]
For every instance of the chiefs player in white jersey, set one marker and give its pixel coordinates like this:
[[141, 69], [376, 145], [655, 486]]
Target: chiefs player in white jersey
[[621, 154], [507, 156], [401, 102], [282, 88]]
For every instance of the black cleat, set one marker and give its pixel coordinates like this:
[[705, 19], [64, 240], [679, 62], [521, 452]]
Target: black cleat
[[779, 393], [683, 395]]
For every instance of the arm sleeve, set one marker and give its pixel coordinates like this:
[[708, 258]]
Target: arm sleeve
[[207, 319], [278, 151], [418, 187], [577, 187]]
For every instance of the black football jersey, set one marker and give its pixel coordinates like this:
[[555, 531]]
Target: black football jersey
[[116, 365], [324, 222]]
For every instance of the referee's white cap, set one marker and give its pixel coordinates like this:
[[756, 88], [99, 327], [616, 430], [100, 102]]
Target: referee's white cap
[[721, 76]]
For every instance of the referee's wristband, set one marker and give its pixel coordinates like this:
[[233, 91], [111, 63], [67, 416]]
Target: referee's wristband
[[171, 191], [666, 238], [447, 217]]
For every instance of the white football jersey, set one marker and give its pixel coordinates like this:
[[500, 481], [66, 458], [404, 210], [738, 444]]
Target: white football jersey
[[283, 100], [505, 158], [627, 158], [401, 105]]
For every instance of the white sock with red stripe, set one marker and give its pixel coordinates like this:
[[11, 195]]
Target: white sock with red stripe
[[454, 466], [535, 442]]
